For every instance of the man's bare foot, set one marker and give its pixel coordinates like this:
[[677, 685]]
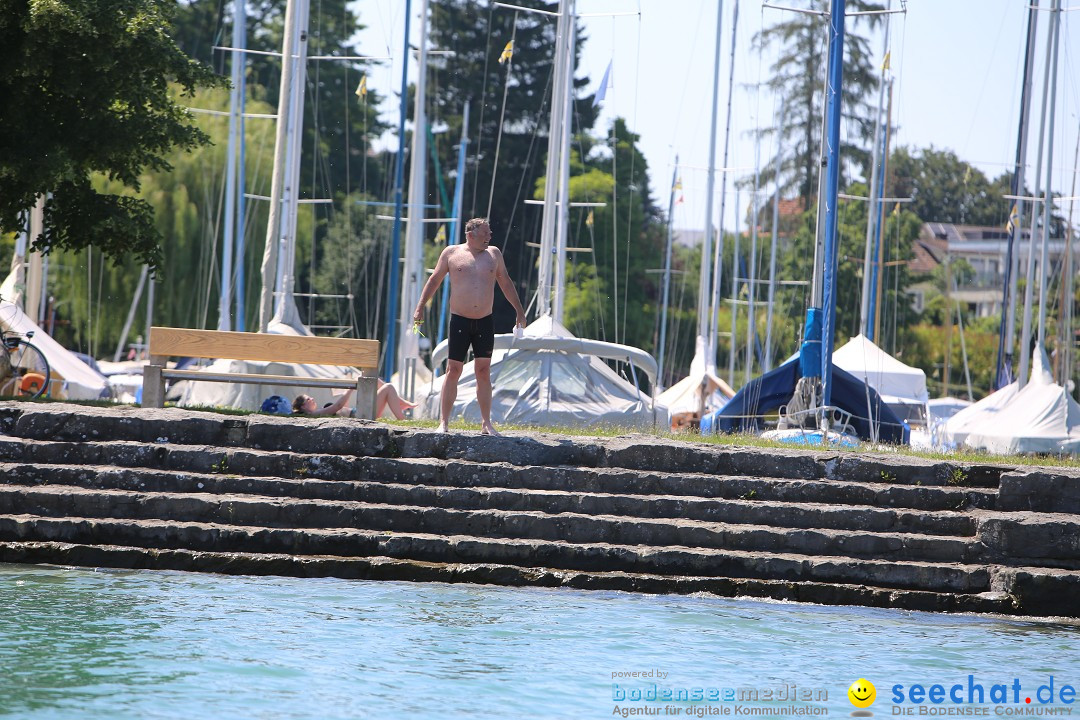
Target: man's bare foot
[[489, 429], [443, 428]]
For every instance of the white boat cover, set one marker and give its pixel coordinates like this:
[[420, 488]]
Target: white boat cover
[[960, 425], [1040, 418], [70, 378], [895, 382], [548, 377], [246, 396], [683, 399]]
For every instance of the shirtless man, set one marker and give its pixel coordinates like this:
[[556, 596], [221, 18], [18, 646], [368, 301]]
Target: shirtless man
[[473, 268]]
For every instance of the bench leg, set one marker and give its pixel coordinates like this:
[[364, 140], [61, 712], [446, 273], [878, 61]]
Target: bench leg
[[366, 390], [153, 393]]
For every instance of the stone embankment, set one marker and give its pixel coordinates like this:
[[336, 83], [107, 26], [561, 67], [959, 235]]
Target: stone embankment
[[181, 490]]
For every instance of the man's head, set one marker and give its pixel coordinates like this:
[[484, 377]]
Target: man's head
[[478, 233]]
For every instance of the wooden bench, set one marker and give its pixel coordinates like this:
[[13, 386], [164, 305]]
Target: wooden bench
[[166, 342]]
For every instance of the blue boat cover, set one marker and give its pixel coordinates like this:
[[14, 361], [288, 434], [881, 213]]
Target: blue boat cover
[[768, 392]]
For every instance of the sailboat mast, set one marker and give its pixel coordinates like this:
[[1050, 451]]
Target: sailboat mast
[[832, 185], [551, 179], [455, 214], [734, 289], [1025, 333], [564, 170], [1007, 328], [767, 365], [667, 275], [872, 200], [751, 267], [389, 353], [412, 280], [270, 251], [704, 286], [229, 221], [879, 275], [34, 275], [1055, 20], [1065, 320], [718, 250], [285, 306]]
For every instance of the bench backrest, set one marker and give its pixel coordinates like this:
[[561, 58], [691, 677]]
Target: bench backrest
[[183, 342]]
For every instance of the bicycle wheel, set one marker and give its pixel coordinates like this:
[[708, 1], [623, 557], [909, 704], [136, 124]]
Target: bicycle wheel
[[29, 370]]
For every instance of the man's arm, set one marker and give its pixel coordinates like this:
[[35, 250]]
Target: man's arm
[[441, 269], [507, 287]]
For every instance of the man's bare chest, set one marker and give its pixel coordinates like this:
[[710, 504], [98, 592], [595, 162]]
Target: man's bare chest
[[464, 264]]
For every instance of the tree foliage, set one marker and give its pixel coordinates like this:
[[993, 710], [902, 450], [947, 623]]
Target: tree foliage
[[86, 88], [187, 211], [798, 75], [946, 189]]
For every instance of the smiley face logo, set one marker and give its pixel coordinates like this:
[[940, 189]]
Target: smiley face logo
[[862, 693]]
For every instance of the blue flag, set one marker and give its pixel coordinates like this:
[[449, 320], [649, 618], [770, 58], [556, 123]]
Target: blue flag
[[602, 90]]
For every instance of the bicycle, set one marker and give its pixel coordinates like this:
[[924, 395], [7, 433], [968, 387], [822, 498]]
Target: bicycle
[[24, 371]]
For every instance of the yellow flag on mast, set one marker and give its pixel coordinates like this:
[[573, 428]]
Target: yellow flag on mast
[[1014, 218], [361, 89], [507, 53]]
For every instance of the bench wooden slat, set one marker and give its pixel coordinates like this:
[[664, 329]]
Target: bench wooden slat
[[252, 378], [185, 342]]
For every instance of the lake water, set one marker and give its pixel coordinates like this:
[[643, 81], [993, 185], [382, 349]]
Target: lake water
[[79, 643]]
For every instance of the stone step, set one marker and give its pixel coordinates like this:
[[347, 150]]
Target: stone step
[[68, 500], [660, 515], [744, 511], [339, 436], [387, 568], [459, 473], [531, 553]]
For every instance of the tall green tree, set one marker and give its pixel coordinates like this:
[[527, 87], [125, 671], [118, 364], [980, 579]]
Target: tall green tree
[[944, 188], [86, 90], [798, 74]]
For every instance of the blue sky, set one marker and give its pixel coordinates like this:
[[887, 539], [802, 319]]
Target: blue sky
[[957, 66]]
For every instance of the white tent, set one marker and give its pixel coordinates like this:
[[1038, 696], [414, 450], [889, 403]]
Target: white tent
[[1040, 418], [548, 377], [684, 399], [250, 396], [895, 382], [69, 377]]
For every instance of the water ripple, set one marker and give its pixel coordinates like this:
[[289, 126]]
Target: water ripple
[[118, 644]]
